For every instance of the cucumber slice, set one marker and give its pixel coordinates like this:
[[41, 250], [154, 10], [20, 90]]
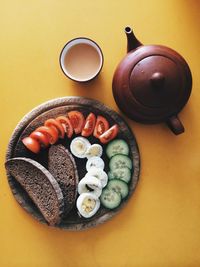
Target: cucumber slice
[[117, 146], [111, 175], [110, 199], [119, 162], [123, 174], [119, 187]]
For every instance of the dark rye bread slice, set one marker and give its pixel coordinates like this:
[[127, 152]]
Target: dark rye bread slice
[[40, 185], [62, 166]]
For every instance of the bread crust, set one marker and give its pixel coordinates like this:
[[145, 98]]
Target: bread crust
[[62, 166], [40, 185]]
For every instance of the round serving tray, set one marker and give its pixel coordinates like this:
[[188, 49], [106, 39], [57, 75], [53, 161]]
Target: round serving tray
[[52, 109]]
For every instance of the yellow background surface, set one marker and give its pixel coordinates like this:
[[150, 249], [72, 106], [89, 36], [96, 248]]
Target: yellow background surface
[[160, 226]]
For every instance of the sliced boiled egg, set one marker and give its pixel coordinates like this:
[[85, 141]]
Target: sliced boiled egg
[[95, 162], [79, 146], [94, 150], [87, 204], [90, 184], [100, 174]]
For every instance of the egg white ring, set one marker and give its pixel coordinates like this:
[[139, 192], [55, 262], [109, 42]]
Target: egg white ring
[[95, 162], [84, 142], [100, 174], [91, 182], [79, 203]]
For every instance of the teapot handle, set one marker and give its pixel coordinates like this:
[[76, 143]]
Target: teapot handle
[[175, 125]]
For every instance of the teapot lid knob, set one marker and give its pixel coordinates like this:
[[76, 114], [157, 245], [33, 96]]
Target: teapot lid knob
[[157, 80]]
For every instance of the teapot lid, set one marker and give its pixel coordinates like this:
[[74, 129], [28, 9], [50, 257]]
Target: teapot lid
[[158, 83]]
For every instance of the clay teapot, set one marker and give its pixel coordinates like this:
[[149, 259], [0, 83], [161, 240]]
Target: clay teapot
[[152, 83]]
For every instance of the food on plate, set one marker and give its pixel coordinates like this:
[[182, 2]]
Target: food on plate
[[87, 204], [40, 185], [95, 162], [94, 150], [119, 175], [117, 146], [77, 120], [41, 138], [31, 144], [118, 186], [115, 191], [101, 126], [53, 129], [66, 124], [53, 123], [109, 135], [110, 199], [90, 184], [100, 174], [89, 125], [123, 174], [119, 162], [79, 146], [97, 186], [50, 132], [62, 166]]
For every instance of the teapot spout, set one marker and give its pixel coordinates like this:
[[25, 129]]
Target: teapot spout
[[132, 41]]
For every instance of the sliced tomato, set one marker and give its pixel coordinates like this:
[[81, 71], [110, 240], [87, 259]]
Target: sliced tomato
[[77, 120], [89, 125], [57, 125], [109, 134], [50, 132], [31, 144], [40, 137], [66, 124], [101, 126]]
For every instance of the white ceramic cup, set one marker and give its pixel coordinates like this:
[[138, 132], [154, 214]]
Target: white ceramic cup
[[81, 59]]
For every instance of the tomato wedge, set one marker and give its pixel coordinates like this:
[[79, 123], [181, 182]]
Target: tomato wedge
[[101, 126], [50, 132], [40, 137], [89, 125], [54, 123], [77, 120], [66, 124], [31, 144], [109, 134]]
